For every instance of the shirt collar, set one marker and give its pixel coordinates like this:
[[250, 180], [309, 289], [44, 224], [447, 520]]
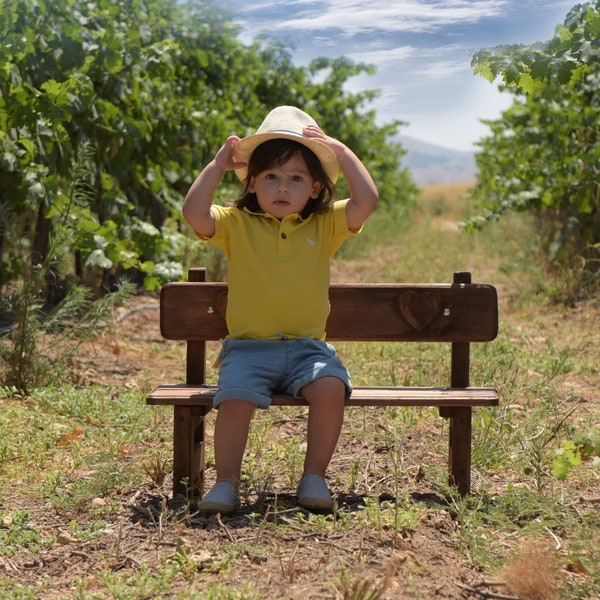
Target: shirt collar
[[294, 217]]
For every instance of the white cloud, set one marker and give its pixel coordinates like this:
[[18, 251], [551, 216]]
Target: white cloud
[[440, 70], [353, 17], [383, 57]]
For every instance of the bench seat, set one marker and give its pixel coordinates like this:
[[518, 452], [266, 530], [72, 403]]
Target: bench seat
[[443, 397]]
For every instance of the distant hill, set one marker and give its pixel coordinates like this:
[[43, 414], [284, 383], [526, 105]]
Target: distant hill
[[431, 164]]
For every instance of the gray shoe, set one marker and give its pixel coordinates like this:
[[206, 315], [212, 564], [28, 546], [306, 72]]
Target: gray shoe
[[223, 498], [313, 493]]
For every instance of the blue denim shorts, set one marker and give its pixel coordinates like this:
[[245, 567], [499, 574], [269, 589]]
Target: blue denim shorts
[[253, 370]]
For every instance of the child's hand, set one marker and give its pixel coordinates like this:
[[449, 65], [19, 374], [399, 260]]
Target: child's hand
[[224, 157], [363, 192], [316, 133]]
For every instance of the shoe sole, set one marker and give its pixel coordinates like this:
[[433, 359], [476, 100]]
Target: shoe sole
[[315, 504], [217, 507]]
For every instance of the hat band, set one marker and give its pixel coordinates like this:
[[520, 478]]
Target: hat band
[[285, 131]]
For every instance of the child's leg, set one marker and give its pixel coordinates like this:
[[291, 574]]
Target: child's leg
[[231, 435], [325, 397]]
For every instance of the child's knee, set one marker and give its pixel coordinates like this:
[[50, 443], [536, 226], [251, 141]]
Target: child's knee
[[325, 388], [234, 408]]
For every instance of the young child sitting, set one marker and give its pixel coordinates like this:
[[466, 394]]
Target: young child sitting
[[278, 239]]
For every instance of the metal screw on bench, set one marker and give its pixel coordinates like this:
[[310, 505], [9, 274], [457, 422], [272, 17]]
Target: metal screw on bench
[[210, 310]]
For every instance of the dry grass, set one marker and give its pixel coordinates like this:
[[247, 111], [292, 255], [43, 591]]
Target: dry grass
[[450, 197], [534, 571]]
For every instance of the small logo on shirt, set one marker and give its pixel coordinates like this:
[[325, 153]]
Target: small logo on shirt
[[311, 242]]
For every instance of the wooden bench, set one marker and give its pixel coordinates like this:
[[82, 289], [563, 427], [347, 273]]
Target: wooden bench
[[458, 313]]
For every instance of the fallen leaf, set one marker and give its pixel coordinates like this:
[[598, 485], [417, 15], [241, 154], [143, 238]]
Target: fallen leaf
[[66, 538], [75, 436], [576, 566]]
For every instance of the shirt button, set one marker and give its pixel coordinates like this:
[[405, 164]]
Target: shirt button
[[283, 236]]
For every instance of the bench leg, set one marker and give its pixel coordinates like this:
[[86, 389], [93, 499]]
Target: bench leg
[[459, 450], [188, 450]]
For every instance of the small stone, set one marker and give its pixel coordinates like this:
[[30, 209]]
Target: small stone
[[66, 538]]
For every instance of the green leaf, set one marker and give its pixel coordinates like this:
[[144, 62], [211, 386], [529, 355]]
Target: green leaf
[[57, 92], [147, 266], [529, 84], [561, 467], [481, 66], [540, 67]]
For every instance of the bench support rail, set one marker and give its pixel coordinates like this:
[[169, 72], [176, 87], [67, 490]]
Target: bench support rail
[[459, 447], [188, 450]]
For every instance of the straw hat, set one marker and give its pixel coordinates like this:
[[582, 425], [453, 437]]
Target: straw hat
[[286, 122]]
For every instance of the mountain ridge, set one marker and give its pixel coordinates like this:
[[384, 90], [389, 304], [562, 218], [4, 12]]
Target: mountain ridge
[[431, 164]]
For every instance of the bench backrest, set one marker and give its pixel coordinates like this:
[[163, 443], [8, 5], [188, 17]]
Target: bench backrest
[[459, 313]]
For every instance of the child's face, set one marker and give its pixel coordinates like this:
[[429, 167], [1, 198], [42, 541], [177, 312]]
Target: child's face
[[285, 189]]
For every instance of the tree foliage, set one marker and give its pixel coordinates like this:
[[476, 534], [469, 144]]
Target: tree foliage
[[543, 154], [154, 87]]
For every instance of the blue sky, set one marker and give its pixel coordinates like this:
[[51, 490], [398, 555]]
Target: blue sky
[[422, 50]]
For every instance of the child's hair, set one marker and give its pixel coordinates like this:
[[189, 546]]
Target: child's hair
[[277, 152]]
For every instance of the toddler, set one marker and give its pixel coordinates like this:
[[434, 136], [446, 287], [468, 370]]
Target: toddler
[[278, 238]]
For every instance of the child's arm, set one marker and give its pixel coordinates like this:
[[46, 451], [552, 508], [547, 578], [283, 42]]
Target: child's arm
[[196, 208], [363, 192]]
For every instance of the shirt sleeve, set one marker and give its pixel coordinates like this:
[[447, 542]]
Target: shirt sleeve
[[341, 232], [220, 237]]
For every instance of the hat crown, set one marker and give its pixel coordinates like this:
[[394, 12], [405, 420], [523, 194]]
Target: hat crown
[[286, 119]]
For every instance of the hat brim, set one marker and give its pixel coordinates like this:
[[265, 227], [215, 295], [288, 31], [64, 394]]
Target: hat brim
[[247, 145]]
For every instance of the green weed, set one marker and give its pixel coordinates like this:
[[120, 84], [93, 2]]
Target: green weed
[[10, 591], [17, 534]]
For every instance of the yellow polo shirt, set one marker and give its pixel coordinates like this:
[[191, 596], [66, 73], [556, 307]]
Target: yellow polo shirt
[[278, 271]]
